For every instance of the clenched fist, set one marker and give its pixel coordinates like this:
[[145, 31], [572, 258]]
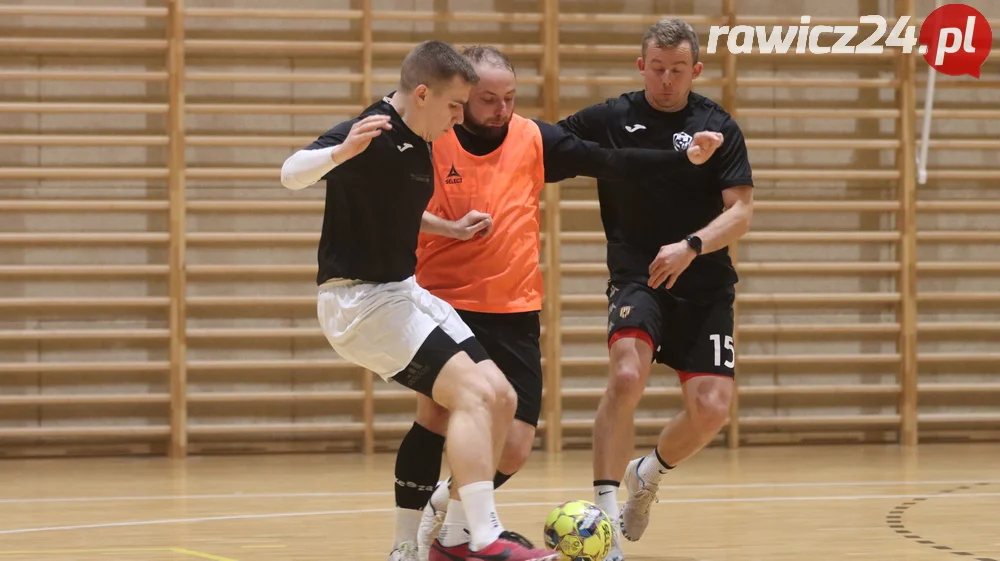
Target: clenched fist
[[703, 145], [472, 224]]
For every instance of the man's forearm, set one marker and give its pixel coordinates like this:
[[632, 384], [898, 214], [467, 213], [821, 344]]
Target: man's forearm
[[727, 228], [632, 164], [433, 224]]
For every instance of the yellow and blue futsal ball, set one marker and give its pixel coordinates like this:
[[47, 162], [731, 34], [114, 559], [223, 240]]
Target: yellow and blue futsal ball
[[579, 531]]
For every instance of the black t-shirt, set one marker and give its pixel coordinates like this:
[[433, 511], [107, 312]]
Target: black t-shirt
[[374, 203], [641, 216]]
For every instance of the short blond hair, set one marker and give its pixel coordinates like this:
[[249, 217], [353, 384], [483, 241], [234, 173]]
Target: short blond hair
[[670, 33], [434, 63]]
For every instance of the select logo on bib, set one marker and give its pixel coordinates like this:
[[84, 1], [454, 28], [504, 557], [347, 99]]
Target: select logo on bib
[[454, 178], [956, 39]]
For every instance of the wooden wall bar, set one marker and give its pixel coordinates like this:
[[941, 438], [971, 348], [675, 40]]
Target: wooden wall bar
[[156, 282]]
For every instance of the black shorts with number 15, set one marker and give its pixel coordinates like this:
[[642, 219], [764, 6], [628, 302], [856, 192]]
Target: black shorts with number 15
[[690, 336]]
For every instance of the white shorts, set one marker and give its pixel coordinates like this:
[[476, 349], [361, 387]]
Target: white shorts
[[382, 326]]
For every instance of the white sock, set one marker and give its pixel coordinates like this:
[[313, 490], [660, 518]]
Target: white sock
[[481, 510], [606, 498], [407, 522], [441, 496], [453, 530], [651, 469]]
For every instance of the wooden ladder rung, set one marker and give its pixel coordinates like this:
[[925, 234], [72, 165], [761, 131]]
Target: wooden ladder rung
[[271, 429]]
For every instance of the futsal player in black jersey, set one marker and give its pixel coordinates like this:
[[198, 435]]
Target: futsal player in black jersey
[[672, 285], [379, 180]]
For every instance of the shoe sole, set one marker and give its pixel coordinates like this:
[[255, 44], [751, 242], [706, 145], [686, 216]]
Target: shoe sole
[[434, 534], [629, 475], [621, 527], [552, 557]]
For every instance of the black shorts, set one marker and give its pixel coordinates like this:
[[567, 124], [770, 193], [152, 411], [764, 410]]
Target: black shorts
[[436, 350], [690, 336], [512, 343]]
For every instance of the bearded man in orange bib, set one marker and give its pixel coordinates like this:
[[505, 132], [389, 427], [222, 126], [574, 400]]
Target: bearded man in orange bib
[[479, 251]]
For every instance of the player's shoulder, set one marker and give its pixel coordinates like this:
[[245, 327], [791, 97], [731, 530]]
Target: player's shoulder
[[708, 110], [399, 138], [626, 102], [379, 107], [531, 125], [628, 99], [614, 110]]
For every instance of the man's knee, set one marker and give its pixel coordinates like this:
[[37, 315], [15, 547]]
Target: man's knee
[[520, 440], [506, 396], [461, 386], [629, 371], [708, 400], [431, 416], [626, 385]]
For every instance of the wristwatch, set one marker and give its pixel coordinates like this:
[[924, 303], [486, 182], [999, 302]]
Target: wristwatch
[[695, 243]]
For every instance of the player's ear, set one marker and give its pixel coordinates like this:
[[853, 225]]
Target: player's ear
[[420, 94], [696, 71], [640, 64]]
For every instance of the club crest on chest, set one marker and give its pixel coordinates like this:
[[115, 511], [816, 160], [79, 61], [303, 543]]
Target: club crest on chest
[[682, 141]]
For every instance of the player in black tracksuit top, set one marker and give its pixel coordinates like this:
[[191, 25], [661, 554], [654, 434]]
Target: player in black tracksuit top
[[671, 291]]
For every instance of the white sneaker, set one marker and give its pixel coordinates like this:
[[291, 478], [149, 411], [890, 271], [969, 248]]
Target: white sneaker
[[407, 551], [641, 495], [615, 553], [430, 526]]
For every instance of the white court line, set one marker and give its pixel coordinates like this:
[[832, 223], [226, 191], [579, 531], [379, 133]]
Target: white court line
[[381, 510], [318, 494]]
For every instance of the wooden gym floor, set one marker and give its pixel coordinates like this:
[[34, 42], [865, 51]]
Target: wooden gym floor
[[876, 502]]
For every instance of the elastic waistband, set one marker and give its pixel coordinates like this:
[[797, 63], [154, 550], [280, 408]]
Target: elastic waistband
[[341, 283]]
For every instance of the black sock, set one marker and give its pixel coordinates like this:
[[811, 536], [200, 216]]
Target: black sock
[[500, 478], [600, 482], [418, 466]]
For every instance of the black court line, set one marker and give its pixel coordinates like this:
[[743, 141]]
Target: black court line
[[895, 522]]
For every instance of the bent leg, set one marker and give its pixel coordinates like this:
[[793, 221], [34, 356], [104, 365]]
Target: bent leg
[[706, 408], [418, 466], [698, 339], [520, 440], [706, 373], [512, 342], [614, 428], [481, 402]]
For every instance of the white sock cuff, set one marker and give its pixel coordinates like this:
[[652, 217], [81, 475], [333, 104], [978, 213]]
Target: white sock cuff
[[453, 530], [477, 487]]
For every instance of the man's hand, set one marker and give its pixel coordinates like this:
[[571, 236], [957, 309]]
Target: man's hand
[[670, 262], [360, 137], [703, 145], [472, 224]]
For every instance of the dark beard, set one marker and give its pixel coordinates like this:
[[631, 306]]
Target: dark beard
[[487, 132]]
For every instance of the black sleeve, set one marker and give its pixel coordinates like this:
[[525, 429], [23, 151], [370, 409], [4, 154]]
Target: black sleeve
[[566, 156], [587, 123], [334, 136], [730, 163]]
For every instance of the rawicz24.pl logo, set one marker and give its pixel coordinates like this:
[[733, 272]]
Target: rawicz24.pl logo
[[955, 39]]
